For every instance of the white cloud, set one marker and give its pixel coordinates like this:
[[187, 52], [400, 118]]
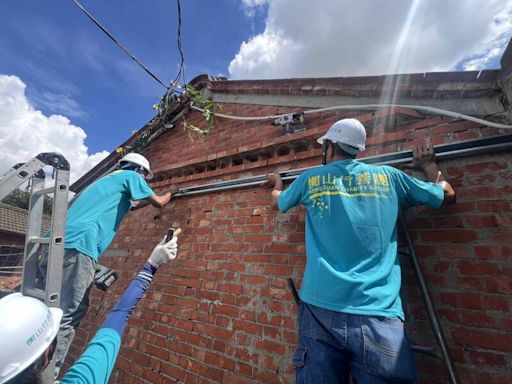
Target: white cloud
[[26, 132], [250, 7], [497, 38], [362, 37]]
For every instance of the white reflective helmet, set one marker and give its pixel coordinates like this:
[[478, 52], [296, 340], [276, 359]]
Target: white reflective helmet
[[27, 328], [350, 133], [137, 159]]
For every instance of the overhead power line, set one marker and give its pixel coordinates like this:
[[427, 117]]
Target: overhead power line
[[181, 70], [126, 50]]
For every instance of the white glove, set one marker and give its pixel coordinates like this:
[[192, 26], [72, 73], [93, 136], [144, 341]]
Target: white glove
[[164, 252]]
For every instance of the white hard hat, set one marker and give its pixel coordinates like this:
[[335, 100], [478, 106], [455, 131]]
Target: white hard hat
[[138, 159], [350, 133], [27, 328]]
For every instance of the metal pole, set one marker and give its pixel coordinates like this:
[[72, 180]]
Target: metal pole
[[432, 316], [444, 151]]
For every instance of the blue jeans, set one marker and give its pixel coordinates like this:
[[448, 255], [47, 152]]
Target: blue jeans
[[77, 276], [334, 345]]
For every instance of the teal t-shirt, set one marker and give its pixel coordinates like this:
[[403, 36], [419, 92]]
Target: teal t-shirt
[[94, 217], [351, 244], [95, 365]]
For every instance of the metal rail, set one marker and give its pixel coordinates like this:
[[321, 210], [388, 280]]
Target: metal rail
[[443, 151]]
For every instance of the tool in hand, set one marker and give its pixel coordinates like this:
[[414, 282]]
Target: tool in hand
[[104, 277]]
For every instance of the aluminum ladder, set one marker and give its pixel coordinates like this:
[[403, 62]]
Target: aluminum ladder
[[33, 170]]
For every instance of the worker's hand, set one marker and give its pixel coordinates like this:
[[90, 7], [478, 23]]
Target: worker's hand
[[423, 156], [173, 189], [164, 252], [272, 180]]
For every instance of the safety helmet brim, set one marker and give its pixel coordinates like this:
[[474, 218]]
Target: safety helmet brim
[[347, 133], [137, 159], [10, 370]]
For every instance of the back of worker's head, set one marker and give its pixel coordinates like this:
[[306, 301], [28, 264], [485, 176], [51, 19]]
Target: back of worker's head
[[347, 135], [27, 329], [136, 162]]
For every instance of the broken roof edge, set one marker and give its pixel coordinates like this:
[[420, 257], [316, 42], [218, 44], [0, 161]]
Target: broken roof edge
[[484, 79]]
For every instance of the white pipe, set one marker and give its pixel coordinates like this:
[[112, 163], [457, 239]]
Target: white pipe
[[367, 106]]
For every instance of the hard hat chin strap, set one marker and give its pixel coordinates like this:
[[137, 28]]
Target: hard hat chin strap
[[325, 145], [134, 167]]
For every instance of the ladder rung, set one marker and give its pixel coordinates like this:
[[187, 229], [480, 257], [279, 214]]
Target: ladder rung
[[39, 240], [40, 294], [44, 191]]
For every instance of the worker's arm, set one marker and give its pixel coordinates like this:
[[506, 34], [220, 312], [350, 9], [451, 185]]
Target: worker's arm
[[96, 363], [424, 158], [157, 201], [276, 183]]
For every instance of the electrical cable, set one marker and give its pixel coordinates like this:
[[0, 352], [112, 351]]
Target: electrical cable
[[119, 44], [363, 107], [181, 70]]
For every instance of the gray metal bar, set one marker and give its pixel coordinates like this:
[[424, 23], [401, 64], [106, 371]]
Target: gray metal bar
[[39, 240], [429, 305], [33, 234], [17, 176], [443, 151], [44, 191], [38, 293], [56, 248]]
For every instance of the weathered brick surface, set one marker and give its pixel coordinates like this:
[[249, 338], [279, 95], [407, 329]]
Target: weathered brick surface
[[222, 311]]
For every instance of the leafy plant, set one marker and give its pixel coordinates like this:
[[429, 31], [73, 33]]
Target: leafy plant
[[191, 95], [166, 102], [206, 105]]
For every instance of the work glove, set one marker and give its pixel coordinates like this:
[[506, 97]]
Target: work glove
[[164, 252]]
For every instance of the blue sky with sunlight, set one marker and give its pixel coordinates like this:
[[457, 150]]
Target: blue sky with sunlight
[[65, 86]]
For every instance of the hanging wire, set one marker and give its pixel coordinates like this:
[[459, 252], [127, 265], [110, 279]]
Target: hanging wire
[[181, 70], [120, 45]]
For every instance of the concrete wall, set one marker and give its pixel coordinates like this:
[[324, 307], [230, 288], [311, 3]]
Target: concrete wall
[[221, 313]]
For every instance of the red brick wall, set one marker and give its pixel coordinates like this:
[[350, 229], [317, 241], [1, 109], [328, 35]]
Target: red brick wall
[[222, 312]]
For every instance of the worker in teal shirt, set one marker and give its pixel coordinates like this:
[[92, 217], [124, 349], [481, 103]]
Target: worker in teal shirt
[[92, 221], [351, 317], [31, 329]]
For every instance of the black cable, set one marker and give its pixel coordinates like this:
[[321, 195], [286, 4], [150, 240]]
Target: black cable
[[121, 46], [181, 70]]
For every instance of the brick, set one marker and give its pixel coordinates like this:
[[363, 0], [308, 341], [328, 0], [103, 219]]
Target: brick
[[222, 311], [486, 359], [269, 346], [488, 252], [483, 339], [476, 301], [499, 284], [454, 236]]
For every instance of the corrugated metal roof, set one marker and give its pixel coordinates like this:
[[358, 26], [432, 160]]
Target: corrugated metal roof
[[14, 219]]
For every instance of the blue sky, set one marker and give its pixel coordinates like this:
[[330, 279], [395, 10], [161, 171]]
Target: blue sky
[[65, 86], [70, 67]]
